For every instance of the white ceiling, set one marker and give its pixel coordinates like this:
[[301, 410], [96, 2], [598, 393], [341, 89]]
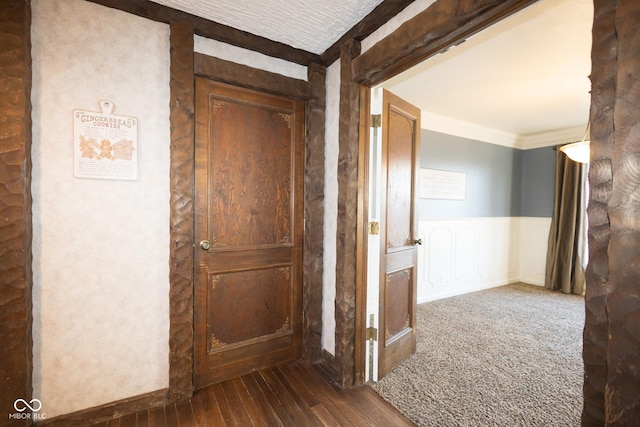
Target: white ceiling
[[525, 75], [311, 25]]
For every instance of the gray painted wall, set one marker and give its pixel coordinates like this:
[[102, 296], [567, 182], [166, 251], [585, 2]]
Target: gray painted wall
[[538, 182], [501, 181]]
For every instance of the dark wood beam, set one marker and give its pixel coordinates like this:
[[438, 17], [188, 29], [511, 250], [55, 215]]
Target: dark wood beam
[[16, 279], [346, 234], [435, 29], [249, 77], [363, 29], [602, 132], [181, 233], [617, 167], [213, 30], [314, 215]]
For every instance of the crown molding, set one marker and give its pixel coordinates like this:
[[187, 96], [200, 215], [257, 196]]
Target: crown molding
[[463, 129], [451, 126], [554, 137]]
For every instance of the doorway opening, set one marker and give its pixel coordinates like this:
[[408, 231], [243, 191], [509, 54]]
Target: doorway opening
[[449, 261]]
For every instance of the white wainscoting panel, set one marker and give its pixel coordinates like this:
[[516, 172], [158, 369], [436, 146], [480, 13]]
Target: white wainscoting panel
[[466, 254], [439, 262], [534, 235], [470, 254]]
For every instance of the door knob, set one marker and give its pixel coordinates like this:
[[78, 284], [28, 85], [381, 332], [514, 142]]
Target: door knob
[[417, 242], [205, 245]]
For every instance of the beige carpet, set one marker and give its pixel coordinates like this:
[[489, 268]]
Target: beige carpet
[[508, 356]]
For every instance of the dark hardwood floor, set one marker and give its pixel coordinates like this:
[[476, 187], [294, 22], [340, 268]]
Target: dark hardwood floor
[[294, 394]]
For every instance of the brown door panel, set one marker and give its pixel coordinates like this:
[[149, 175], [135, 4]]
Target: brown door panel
[[398, 277], [221, 367], [236, 260], [249, 219]]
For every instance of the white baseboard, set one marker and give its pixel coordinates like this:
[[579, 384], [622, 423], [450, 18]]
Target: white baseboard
[[460, 291]]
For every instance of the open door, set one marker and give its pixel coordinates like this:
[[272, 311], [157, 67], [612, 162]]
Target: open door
[[398, 252]]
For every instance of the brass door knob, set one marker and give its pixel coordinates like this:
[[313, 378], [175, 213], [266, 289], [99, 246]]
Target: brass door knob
[[205, 245]]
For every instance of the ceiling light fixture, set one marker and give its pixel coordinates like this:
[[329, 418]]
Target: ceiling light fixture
[[578, 151]]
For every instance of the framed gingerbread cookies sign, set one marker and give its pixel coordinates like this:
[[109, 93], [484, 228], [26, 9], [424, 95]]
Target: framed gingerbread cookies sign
[[105, 145]]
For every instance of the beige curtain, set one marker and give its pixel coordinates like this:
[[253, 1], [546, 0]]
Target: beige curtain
[[567, 247]]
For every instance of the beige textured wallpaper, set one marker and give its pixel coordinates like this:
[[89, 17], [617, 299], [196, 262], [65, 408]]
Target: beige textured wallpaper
[[101, 247], [247, 57], [331, 150]]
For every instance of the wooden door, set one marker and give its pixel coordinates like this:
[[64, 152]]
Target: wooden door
[[249, 225], [398, 257]]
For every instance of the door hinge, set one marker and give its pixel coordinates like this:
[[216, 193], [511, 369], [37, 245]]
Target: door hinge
[[372, 333], [374, 228], [376, 120]]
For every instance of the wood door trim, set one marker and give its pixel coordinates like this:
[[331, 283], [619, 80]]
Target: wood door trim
[[435, 29], [424, 35], [182, 214], [362, 237], [251, 78]]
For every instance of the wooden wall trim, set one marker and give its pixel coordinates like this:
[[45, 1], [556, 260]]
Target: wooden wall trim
[[596, 331], [327, 365], [345, 305], [313, 254], [181, 269], [618, 168], [438, 27], [109, 411], [16, 281], [213, 30], [363, 29], [249, 77], [362, 237]]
